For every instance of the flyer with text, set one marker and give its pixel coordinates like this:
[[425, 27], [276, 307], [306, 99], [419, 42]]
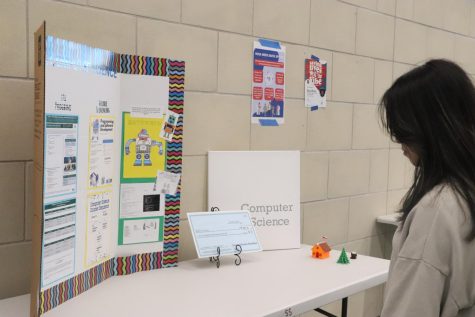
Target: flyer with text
[[268, 83], [315, 83]]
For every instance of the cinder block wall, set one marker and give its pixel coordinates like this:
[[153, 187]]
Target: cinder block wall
[[351, 172]]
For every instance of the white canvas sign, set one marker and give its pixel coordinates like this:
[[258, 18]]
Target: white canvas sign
[[267, 183]]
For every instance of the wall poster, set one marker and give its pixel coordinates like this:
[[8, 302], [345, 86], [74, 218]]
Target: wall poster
[[315, 83], [268, 83]]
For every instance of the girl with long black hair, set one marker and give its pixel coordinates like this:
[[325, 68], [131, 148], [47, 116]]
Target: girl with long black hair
[[430, 111]]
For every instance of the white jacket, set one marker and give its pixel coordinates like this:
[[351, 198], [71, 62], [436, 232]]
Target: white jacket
[[432, 271]]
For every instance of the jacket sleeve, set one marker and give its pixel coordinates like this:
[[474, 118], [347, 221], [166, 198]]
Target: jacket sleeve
[[415, 288]]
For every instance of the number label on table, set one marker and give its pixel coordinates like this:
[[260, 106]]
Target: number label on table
[[288, 312]]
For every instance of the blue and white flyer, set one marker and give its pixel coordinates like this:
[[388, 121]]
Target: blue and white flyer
[[268, 83]]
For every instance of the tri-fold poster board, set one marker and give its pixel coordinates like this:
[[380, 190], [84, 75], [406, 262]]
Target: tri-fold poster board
[[107, 166]]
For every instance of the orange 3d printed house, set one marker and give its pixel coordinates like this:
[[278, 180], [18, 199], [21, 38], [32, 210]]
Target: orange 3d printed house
[[321, 250]]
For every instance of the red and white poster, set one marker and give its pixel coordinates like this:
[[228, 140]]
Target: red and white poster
[[315, 83]]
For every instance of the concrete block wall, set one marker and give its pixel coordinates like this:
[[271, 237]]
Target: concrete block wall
[[351, 171]]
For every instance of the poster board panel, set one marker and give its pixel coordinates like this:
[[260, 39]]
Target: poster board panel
[[38, 168]]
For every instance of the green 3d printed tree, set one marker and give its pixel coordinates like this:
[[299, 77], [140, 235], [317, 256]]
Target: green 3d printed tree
[[343, 259]]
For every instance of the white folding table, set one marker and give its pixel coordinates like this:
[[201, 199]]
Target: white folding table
[[272, 283], [391, 219]]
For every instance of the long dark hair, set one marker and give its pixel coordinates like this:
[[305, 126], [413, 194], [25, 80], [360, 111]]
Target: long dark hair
[[431, 109]]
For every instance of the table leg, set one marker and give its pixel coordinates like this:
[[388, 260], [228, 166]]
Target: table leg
[[324, 312], [344, 309]]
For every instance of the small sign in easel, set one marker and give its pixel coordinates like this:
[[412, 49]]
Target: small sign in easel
[[223, 233]]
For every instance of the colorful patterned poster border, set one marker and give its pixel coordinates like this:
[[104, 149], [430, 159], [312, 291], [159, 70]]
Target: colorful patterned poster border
[[175, 71], [74, 286]]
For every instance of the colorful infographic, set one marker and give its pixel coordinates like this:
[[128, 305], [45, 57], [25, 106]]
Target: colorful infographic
[[101, 151], [144, 151], [268, 83]]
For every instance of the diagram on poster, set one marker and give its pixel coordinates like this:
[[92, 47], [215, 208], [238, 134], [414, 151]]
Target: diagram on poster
[[141, 230], [167, 183], [143, 151], [98, 232], [268, 83], [315, 83], [101, 149], [140, 200], [60, 154], [169, 125]]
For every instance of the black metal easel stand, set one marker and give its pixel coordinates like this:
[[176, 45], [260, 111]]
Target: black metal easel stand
[[216, 258]]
